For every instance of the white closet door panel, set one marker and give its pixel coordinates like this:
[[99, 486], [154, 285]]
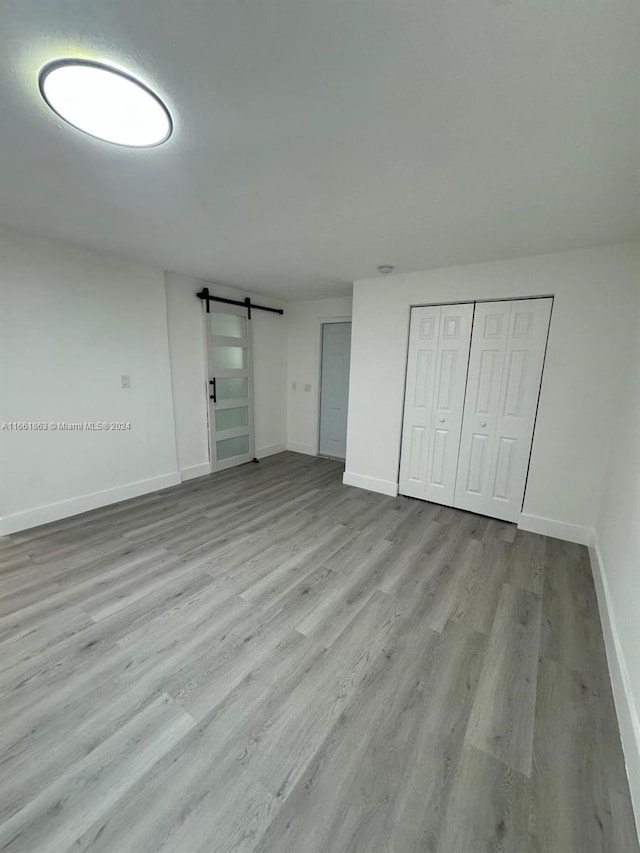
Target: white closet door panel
[[451, 379], [501, 406], [518, 405], [486, 365], [418, 403], [434, 400]]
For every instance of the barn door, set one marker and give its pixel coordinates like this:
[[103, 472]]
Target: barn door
[[230, 386]]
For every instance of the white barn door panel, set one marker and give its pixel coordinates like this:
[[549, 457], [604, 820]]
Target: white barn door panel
[[505, 369], [434, 400]]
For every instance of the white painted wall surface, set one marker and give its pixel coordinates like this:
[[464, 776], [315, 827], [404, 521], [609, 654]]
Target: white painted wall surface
[[269, 380], [618, 553], [189, 372], [581, 382], [188, 375], [304, 331], [72, 321]]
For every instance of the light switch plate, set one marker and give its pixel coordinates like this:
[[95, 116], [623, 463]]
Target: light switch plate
[[125, 381]]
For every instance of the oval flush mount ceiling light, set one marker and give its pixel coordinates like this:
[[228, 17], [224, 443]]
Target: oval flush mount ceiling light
[[105, 102]]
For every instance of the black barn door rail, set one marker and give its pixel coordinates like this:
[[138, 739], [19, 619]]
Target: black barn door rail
[[247, 303]]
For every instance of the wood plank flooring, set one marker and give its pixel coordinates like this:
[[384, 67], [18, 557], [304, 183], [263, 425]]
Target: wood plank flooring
[[266, 660]]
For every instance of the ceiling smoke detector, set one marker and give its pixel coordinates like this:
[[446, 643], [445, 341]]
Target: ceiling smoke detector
[[385, 269]]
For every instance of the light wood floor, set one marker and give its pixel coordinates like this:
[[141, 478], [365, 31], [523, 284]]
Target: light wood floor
[[267, 660]]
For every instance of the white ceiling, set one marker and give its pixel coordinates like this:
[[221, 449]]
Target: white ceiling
[[316, 139]]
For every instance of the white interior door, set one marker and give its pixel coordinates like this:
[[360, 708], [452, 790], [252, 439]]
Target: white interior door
[[334, 389], [434, 399], [230, 386], [505, 369]]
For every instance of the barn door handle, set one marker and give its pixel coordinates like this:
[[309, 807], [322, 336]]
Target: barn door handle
[[212, 396]]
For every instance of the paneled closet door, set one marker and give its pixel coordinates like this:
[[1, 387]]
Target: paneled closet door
[[434, 399], [505, 369]]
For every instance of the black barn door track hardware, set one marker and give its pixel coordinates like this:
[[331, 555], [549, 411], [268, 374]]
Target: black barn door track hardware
[[247, 303]]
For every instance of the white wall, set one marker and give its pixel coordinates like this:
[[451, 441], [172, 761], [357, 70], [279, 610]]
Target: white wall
[[270, 379], [72, 322], [582, 375], [617, 558], [189, 373], [304, 330]]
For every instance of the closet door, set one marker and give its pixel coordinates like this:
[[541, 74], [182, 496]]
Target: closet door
[[505, 370], [434, 398]]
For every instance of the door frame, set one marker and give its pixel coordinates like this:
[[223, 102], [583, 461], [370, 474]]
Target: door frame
[[486, 299], [550, 296], [318, 355]]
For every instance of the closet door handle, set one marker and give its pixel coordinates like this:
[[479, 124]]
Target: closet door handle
[[441, 420], [483, 424], [212, 396]]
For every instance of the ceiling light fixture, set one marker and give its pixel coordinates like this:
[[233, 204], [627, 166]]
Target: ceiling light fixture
[[385, 269], [105, 102]]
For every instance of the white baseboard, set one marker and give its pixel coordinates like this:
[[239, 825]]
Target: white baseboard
[[557, 529], [271, 450], [371, 484], [194, 471], [301, 448], [74, 506], [628, 714]]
